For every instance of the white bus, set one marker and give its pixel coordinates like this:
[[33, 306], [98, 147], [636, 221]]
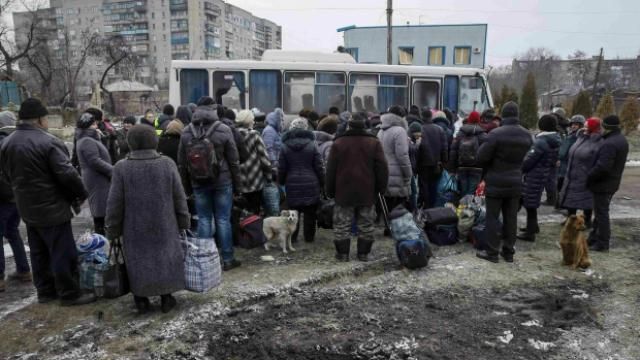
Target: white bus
[[301, 80]]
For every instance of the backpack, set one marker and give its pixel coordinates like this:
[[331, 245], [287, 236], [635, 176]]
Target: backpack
[[202, 161], [468, 151], [413, 254]]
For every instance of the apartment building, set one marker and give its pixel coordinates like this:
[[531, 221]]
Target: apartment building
[[157, 31]]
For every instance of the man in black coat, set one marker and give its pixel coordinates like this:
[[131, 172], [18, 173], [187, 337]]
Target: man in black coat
[[433, 153], [501, 157], [45, 186], [604, 180]]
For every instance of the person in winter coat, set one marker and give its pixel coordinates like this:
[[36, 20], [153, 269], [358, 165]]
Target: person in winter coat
[[46, 187], [415, 135], [356, 171], [213, 196], [96, 168], [300, 171], [272, 137], [150, 239], [324, 140], [184, 114], [463, 157], [161, 122], [539, 162], [581, 156], [10, 218], [433, 153], [121, 137], [501, 157], [149, 118], [604, 180], [440, 119], [256, 170], [395, 144], [329, 124], [575, 124], [228, 117], [170, 140], [488, 120], [343, 120], [259, 120]]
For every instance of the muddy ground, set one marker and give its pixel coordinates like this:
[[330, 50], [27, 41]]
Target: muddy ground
[[307, 306]]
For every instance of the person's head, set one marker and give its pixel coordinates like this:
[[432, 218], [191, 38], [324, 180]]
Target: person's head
[[329, 124], [357, 122], [230, 114], [576, 122], [313, 117], [304, 113], [192, 107], [415, 131], [548, 123], [474, 118], [449, 115], [426, 114], [299, 123], [97, 113], [245, 119], [86, 121], [611, 123], [487, 116], [397, 110], [168, 110], [593, 125], [510, 110], [7, 118], [33, 112], [184, 114], [414, 110], [128, 122], [149, 115], [440, 115], [334, 110], [142, 137], [206, 101], [174, 127]]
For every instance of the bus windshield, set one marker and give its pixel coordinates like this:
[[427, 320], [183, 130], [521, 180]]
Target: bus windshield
[[473, 95]]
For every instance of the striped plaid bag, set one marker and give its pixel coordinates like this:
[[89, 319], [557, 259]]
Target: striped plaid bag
[[202, 269]]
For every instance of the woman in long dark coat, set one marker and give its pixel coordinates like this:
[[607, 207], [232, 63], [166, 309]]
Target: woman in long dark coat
[[151, 239]]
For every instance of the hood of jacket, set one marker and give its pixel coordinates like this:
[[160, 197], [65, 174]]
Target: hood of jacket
[[551, 137], [297, 139], [275, 120], [471, 129], [322, 137], [510, 121], [441, 120], [205, 114], [412, 118], [164, 117], [390, 120], [83, 133]]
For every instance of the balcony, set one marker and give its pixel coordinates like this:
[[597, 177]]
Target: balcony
[[177, 5]]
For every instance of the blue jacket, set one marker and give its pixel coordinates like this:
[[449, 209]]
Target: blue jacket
[[563, 155], [300, 168], [271, 136], [537, 165]]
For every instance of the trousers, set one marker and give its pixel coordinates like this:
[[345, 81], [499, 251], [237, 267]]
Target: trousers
[[509, 209], [601, 230]]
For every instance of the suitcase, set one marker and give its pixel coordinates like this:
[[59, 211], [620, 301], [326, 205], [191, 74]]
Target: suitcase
[[443, 235], [439, 216], [250, 233]]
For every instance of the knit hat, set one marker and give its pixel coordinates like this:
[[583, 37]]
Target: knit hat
[[129, 120], [560, 112], [246, 119], [174, 127], [593, 125], [85, 121], [329, 124], [440, 115], [548, 123], [510, 109], [142, 137], [299, 123], [7, 118], [474, 117], [611, 122], [577, 119], [32, 109], [415, 127]]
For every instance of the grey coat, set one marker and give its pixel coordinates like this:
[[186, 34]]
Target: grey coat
[[95, 163], [395, 143], [147, 208], [582, 158]]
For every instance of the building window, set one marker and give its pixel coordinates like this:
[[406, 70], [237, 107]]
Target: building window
[[353, 52], [229, 89], [405, 55], [462, 55], [436, 55], [265, 89], [377, 92]]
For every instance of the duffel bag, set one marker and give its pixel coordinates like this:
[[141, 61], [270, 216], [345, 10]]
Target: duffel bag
[[439, 216], [202, 268], [325, 213], [250, 233], [443, 235], [478, 237], [413, 254]]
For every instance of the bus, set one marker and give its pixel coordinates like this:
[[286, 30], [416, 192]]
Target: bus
[[294, 81]]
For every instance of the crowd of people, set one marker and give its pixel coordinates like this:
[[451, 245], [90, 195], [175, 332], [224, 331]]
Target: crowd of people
[[144, 180]]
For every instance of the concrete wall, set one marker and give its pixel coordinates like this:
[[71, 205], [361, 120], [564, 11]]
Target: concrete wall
[[372, 45]]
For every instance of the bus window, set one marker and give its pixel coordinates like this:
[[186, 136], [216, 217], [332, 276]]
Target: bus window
[[392, 91], [193, 85], [451, 92], [265, 90], [363, 92], [473, 94], [426, 93], [330, 91], [229, 89], [298, 91]]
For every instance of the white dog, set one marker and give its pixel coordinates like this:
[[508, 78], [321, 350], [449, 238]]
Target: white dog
[[280, 228]]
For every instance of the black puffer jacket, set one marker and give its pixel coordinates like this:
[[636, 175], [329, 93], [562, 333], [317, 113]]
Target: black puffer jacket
[[44, 183], [433, 148], [606, 175], [501, 157], [537, 166], [467, 131], [300, 168], [243, 153], [6, 194]]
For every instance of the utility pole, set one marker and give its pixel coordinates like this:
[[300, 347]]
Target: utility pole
[[595, 83], [389, 43]]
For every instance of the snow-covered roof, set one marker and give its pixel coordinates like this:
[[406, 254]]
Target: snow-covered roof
[[126, 86]]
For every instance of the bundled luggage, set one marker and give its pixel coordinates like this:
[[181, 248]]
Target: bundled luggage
[[448, 191], [411, 242], [250, 233], [325, 213], [202, 267], [441, 225], [93, 261]]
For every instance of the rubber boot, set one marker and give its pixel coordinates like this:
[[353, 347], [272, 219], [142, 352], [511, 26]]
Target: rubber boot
[[532, 226], [364, 248], [342, 249], [167, 302]]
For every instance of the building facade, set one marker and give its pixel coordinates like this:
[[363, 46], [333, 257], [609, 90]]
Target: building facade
[[157, 31], [436, 45]]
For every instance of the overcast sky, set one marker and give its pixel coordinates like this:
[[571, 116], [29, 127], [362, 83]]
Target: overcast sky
[[514, 26]]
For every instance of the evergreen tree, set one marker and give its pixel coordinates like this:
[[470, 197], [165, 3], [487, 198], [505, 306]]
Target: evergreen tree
[[513, 95], [630, 115], [606, 106], [529, 103], [582, 105]]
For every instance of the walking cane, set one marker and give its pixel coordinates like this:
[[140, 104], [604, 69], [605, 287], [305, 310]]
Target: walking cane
[[385, 211]]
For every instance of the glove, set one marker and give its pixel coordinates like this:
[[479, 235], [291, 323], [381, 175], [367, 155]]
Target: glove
[[274, 176], [76, 206]]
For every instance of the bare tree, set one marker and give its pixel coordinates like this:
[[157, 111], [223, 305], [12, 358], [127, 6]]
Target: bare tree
[[75, 51], [9, 52], [118, 54]]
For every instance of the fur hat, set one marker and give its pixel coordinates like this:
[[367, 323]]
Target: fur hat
[[593, 125], [299, 123], [329, 124], [7, 118], [548, 123], [246, 119], [129, 120], [440, 115], [474, 117], [510, 109], [97, 113], [560, 112], [357, 122], [174, 127], [577, 119], [32, 109], [142, 137], [611, 122], [85, 121]]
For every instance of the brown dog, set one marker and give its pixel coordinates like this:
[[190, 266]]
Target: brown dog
[[573, 242]]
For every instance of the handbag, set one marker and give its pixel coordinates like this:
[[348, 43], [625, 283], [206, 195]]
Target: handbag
[[250, 233], [202, 268], [115, 279]]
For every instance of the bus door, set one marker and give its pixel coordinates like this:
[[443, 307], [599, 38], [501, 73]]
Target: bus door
[[426, 92]]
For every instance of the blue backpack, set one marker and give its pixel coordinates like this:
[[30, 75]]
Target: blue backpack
[[411, 244]]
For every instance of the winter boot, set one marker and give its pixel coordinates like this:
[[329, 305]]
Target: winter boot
[[364, 248], [342, 249], [167, 302], [527, 236], [142, 304]]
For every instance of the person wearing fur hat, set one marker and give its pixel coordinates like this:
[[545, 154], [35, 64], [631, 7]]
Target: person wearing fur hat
[[575, 124], [170, 139], [256, 170], [152, 249], [46, 188], [537, 165], [440, 119], [604, 180], [96, 167], [463, 156]]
